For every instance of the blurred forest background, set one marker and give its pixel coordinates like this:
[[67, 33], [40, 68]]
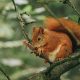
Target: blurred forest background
[[15, 59]]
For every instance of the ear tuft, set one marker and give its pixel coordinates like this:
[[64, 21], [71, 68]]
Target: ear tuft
[[41, 30], [34, 29]]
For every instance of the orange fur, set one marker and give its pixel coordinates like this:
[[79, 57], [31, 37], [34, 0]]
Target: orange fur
[[71, 28], [49, 43]]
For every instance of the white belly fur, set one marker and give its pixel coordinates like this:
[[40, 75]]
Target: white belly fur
[[52, 55]]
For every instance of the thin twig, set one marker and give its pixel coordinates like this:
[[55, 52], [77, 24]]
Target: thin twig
[[73, 7], [49, 10], [21, 21], [5, 74], [14, 5]]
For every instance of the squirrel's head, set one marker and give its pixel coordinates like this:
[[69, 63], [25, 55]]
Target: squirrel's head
[[38, 37]]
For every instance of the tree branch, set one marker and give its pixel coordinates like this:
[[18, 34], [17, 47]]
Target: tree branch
[[62, 68], [73, 57], [58, 70]]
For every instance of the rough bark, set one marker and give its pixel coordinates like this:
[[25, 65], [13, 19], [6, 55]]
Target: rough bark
[[57, 69]]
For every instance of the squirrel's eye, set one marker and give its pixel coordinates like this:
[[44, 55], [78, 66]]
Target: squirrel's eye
[[39, 39]]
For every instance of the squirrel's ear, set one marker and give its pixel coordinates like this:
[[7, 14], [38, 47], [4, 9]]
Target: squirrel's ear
[[34, 29], [41, 30]]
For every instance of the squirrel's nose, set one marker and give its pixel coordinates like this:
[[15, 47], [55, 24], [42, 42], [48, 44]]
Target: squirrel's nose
[[35, 48]]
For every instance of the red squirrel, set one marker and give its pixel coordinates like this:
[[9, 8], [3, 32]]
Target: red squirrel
[[57, 39]]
